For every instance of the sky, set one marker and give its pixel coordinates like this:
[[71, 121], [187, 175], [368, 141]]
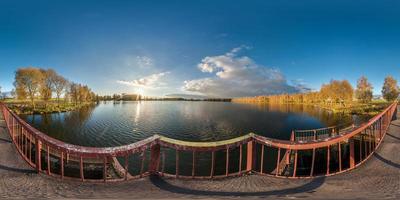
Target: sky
[[204, 47]]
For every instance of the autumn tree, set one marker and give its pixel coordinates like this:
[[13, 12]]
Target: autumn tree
[[364, 90], [390, 89], [47, 86], [60, 85], [74, 92], [337, 91], [28, 82]]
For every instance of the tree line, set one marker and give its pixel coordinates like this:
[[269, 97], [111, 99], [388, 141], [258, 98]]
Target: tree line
[[335, 92], [33, 84]]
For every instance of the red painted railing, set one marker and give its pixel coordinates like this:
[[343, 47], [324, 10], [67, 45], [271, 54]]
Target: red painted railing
[[249, 153]]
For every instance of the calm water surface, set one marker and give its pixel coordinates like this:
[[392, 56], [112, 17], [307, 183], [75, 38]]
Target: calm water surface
[[117, 123]]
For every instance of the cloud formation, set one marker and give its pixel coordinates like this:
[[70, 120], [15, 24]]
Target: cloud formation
[[144, 61], [237, 76], [151, 81]]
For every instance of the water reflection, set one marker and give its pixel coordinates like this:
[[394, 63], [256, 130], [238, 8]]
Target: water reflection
[[117, 123]]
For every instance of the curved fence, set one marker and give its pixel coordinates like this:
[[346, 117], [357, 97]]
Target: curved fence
[[181, 159], [321, 133]]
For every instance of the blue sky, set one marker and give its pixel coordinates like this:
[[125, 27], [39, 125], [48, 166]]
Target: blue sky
[[227, 48]]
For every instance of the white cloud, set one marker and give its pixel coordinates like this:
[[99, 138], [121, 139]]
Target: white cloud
[[151, 81], [138, 61], [144, 61], [238, 76]]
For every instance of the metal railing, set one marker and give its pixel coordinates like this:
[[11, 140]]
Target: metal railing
[[321, 133], [249, 153]]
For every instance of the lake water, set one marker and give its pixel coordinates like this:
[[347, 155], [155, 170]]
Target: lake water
[[118, 123]]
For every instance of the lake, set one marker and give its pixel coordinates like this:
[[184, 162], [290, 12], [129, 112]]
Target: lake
[[117, 123]]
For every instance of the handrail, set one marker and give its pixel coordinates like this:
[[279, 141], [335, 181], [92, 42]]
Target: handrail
[[30, 141]]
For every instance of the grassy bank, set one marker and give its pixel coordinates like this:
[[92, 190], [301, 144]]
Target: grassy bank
[[41, 107], [372, 108]]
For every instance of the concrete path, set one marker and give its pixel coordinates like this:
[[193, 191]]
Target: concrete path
[[378, 178]]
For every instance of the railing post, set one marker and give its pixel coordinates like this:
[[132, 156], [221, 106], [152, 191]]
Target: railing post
[[104, 168], [48, 160], [176, 163], [312, 163], [38, 155], [295, 163], [262, 159], [155, 158], [328, 156], [277, 162], [340, 156], [81, 168], [240, 158], [250, 147], [227, 162], [193, 163], [352, 162], [127, 165], [62, 165], [212, 164]]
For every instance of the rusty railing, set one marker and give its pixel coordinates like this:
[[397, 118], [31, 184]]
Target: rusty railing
[[160, 155]]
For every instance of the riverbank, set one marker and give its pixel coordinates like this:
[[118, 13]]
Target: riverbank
[[23, 107], [372, 108]]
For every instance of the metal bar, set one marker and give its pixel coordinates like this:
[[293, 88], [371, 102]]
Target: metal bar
[[340, 156], [193, 163], [360, 147], [163, 163], [25, 144], [240, 158], [328, 155], [48, 160], [277, 162], [295, 163], [352, 160], [81, 168], [380, 128], [104, 168], [370, 140], [177, 164], [227, 162], [142, 163], [262, 159], [249, 163], [312, 163], [30, 147], [126, 166], [38, 155], [212, 164], [62, 165], [365, 145]]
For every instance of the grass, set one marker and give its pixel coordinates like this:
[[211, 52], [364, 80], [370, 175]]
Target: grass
[[52, 106]]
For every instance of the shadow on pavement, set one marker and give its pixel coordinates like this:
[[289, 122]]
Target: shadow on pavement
[[388, 162], [308, 187], [25, 171]]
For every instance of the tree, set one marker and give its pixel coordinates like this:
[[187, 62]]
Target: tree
[[47, 86], [390, 90], [364, 90], [74, 92], [60, 85], [28, 82], [337, 91]]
